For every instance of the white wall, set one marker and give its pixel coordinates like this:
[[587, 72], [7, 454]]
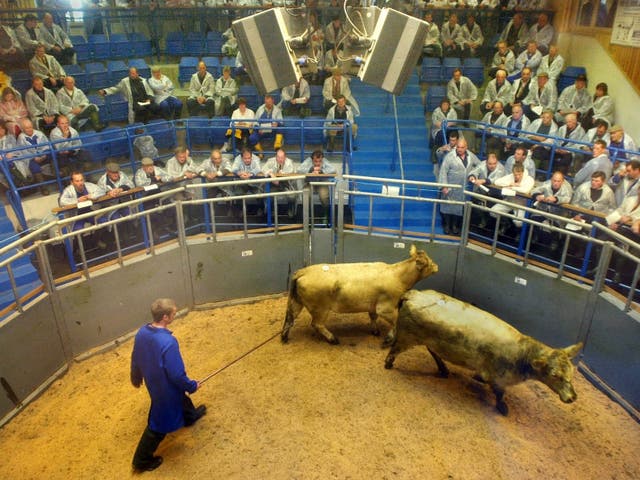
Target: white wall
[[580, 50]]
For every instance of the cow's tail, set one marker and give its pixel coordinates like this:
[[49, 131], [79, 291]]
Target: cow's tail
[[392, 336], [293, 308]]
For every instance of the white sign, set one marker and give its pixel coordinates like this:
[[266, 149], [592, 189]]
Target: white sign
[[626, 25]]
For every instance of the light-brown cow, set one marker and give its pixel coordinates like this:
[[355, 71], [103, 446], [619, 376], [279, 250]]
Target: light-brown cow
[[465, 335], [354, 287]]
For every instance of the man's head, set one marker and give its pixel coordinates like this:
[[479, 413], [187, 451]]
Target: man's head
[[133, 73], [597, 180], [69, 83], [453, 19], [581, 81], [526, 74], [268, 102], [601, 127], [599, 147], [247, 156], [216, 157], [553, 50], [202, 67], [163, 310], [520, 154], [445, 104], [40, 51], [557, 179], [502, 47], [26, 126], [543, 78], [317, 157], [571, 120], [543, 19], [471, 20], [501, 76], [461, 147], [30, 21], [37, 84], [428, 17], [281, 156], [518, 18], [457, 74], [337, 73], [516, 112], [547, 117], [633, 169], [226, 72], [453, 136], [518, 172], [492, 162], [113, 171], [47, 19], [532, 47], [77, 180], [498, 107], [182, 154], [147, 165], [616, 133], [156, 72], [63, 123], [341, 101]]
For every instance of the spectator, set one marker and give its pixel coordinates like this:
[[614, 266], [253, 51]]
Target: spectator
[[18, 170], [295, 98], [599, 162], [542, 33], [498, 89], [78, 191], [521, 156], [68, 153], [275, 167], [552, 63], [626, 181], [29, 35], [487, 172], [12, 111], [555, 191], [541, 130], [138, 93], [443, 112], [515, 126], [542, 96], [42, 105], [594, 195], [520, 182], [455, 169], [432, 46], [600, 131], [442, 151], [225, 93], [39, 152], [201, 91], [217, 166], [574, 99], [529, 58], [149, 174], [246, 166], [268, 120], [568, 134], [167, 104], [11, 54], [48, 69], [602, 107], [75, 105], [181, 166], [498, 120], [334, 33], [56, 40], [504, 59], [317, 164], [114, 182], [462, 93], [449, 34], [240, 126], [470, 37], [515, 33], [620, 143], [335, 86], [336, 116], [520, 89]]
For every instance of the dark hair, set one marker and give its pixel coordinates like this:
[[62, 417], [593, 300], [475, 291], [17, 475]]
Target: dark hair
[[317, 153], [599, 174], [600, 122]]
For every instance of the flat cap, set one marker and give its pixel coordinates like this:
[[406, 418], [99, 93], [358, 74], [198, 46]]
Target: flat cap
[[113, 167], [146, 161], [582, 77], [616, 128]]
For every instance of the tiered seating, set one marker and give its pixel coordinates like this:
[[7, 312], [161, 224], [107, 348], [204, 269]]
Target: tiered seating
[[119, 45], [435, 94], [568, 77], [116, 142], [194, 43], [97, 76], [163, 133], [117, 107], [93, 143], [141, 45], [228, 62], [316, 103], [117, 70], [213, 66], [431, 71], [449, 64], [80, 45], [21, 80], [250, 93], [214, 42], [187, 67], [99, 101], [473, 68], [99, 47], [174, 44], [78, 74]]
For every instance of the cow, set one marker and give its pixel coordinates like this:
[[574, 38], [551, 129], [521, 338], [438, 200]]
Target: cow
[[465, 335], [373, 287]]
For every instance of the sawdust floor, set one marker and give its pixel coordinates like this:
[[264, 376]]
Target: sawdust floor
[[309, 410]]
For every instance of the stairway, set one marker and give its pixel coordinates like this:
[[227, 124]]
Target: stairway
[[378, 156], [24, 273]]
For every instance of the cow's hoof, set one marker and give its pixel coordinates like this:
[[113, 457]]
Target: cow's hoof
[[387, 342], [333, 341], [375, 333], [388, 364], [443, 374], [284, 338], [502, 408]]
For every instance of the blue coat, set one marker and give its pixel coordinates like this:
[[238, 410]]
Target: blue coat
[[156, 359]]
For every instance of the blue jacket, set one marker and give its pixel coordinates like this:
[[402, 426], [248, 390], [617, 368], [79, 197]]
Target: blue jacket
[[156, 359]]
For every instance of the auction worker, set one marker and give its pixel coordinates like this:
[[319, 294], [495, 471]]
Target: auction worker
[[156, 359]]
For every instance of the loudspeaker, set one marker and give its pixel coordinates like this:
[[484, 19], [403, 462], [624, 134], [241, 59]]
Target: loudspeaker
[[274, 48], [397, 44]]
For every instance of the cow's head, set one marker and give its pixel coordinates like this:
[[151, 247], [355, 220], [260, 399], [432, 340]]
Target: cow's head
[[424, 264], [556, 371]]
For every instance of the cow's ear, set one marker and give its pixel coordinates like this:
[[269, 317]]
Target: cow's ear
[[413, 251], [573, 350], [539, 364]]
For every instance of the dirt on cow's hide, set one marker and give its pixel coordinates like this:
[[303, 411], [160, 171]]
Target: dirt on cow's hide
[[309, 410]]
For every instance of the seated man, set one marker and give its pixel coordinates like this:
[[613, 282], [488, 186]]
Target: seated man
[[317, 164], [149, 174], [462, 93], [39, 151], [295, 98], [167, 104], [600, 131], [75, 105], [139, 95], [470, 37], [225, 93], [504, 59], [574, 99], [542, 96], [201, 92], [432, 46], [449, 33], [246, 166], [552, 64], [340, 112], [529, 58], [441, 113], [68, 153], [268, 119], [56, 40], [599, 163], [567, 135], [620, 143], [11, 53], [278, 166], [335, 86], [540, 131], [521, 156], [496, 118], [555, 191], [181, 166], [518, 181], [515, 33], [497, 89], [241, 127], [42, 105], [626, 182], [542, 33], [28, 35], [594, 195], [515, 126], [217, 166], [47, 68], [80, 191], [481, 177], [114, 182], [520, 90]]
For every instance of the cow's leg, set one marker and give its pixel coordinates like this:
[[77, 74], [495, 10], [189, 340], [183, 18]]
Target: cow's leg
[[389, 314], [373, 317], [318, 319], [293, 310], [501, 406], [442, 368]]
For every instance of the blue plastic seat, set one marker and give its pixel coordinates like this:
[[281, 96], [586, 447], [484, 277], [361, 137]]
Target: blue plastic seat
[[97, 75], [117, 70], [119, 46], [194, 43], [174, 43], [474, 69], [449, 64], [213, 65], [431, 71], [141, 44], [99, 47], [118, 107], [80, 45], [435, 94], [143, 69], [79, 75], [186, 68]]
